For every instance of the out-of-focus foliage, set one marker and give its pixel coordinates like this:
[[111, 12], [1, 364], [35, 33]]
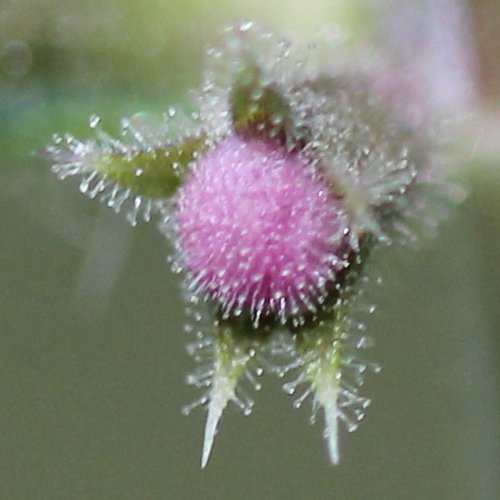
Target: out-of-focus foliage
[[57, 54]]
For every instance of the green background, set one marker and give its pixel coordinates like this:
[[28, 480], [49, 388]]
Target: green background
[[92, 359]]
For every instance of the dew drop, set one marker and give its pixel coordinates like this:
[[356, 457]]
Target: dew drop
[[351, 426], [246, 26], [94, 121], [277, 119], [57, 139], [257, 94], [125, 125]]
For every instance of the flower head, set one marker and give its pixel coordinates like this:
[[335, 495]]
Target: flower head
[[274, 194], [258, 232]]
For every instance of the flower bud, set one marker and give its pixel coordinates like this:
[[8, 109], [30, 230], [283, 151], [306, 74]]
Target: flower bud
[[258, 232], [273, 200]]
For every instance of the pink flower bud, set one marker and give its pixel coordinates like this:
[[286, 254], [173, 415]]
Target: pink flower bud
[[258, 232]]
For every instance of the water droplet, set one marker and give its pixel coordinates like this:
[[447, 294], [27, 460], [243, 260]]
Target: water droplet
[[351, 426], [125, 124], [57, 139], [94, 121], [257, 94], [277, 119], [245, 26]]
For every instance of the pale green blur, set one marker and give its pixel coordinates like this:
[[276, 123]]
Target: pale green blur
[[92, 362]]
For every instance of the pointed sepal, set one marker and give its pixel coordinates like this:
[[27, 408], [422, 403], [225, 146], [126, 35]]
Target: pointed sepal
[[136, 174], [232, 360], [322, 351], [334, 370]]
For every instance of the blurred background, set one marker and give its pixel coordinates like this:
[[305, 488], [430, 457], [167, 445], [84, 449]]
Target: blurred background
[[92, 359]]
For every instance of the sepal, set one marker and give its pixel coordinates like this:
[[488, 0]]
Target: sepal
[[136, 174], [257, 106], [227, 358]]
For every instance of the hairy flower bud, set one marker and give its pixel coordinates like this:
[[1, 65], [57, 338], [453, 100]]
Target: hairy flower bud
[[274, 194], [258, 231]]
